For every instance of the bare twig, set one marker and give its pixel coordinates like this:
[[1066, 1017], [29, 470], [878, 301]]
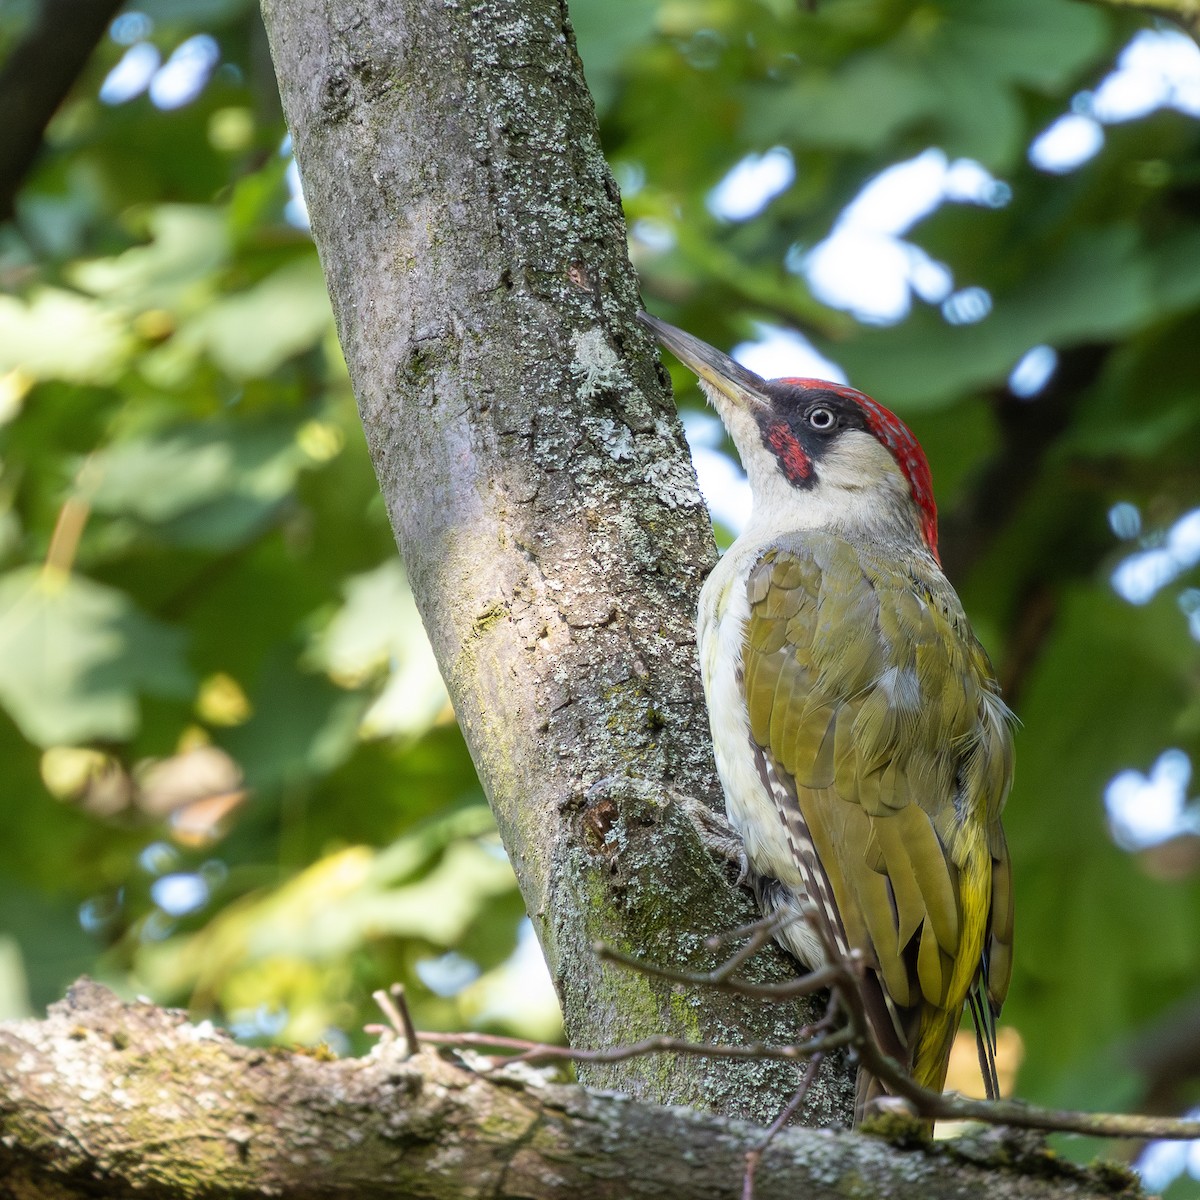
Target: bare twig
[[754, 1157], [951, 1106], [540, 1052], [722, 980], [755, 930], [394, 1004], [761, 933], [71, 522], [954, 1107], [935, 1105], [842, 975]]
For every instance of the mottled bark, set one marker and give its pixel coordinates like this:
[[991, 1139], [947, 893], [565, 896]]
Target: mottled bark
[[540, 489], [110, 1099]]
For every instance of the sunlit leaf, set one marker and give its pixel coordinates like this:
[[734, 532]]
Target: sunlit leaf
[[378, 629], [251, 333], [75, 656], [173, 271], [341, 902], [58, 335]]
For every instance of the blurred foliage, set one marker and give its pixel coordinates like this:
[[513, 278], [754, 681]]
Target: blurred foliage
[[212, 676], [233, 779]]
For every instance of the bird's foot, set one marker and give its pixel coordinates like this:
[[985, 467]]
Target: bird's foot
[[713, 828], [719, 837]]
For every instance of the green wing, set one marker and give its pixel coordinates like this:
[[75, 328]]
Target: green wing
[[887, 750]]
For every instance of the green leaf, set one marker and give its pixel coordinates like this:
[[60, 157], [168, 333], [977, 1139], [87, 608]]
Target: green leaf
[[202, 13], [59, 335], [379, 629], [187, 245], [949, 76], [1038, 43], [251, 333], [1102, 285], [43, 949], [74, 657], [14, 987], [861, 107], [211, 485], [303, 727], [608, 32], [1099, 943]]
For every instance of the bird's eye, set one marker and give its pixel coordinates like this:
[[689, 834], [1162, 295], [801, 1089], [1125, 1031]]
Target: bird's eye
[[822, 419]]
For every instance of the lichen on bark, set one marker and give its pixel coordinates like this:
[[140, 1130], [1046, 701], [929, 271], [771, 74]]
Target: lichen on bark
[[110, 1099], [537, 478]]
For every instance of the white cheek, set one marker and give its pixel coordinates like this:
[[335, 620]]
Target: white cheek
[[858, 491]]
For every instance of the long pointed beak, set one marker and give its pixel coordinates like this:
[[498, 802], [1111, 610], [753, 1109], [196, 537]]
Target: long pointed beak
[[731, 379]]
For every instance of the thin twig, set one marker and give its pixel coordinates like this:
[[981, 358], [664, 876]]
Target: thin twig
[[842, 975], [537, 1052], [394, 1005], [951, 1106], [805, 985], [761, 933], [71, 522], [754, 1157], [768, 925]]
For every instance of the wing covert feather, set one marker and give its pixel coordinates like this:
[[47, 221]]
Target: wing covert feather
[[873, 703]]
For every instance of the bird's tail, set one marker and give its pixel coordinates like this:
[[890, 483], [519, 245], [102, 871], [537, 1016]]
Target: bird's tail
[[931, 1045], [935, 1037], [931, 1057]]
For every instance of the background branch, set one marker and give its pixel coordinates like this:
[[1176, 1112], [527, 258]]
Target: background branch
[[39, 72]]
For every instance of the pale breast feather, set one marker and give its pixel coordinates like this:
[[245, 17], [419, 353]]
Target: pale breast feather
[[775, 849], [723, 616]]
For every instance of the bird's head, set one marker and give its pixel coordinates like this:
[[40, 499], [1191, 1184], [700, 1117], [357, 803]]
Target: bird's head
[[817, 454]]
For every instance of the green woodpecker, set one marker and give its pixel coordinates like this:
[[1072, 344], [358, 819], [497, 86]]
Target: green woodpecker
[[860, 737]]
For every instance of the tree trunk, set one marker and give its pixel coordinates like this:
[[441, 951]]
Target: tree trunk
[[540, 490], [110, 1099]]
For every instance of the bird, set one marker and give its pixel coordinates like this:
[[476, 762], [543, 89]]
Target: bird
[[860, 737]]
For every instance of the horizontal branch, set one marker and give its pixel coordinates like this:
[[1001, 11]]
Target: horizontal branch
[[110, 1098]]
